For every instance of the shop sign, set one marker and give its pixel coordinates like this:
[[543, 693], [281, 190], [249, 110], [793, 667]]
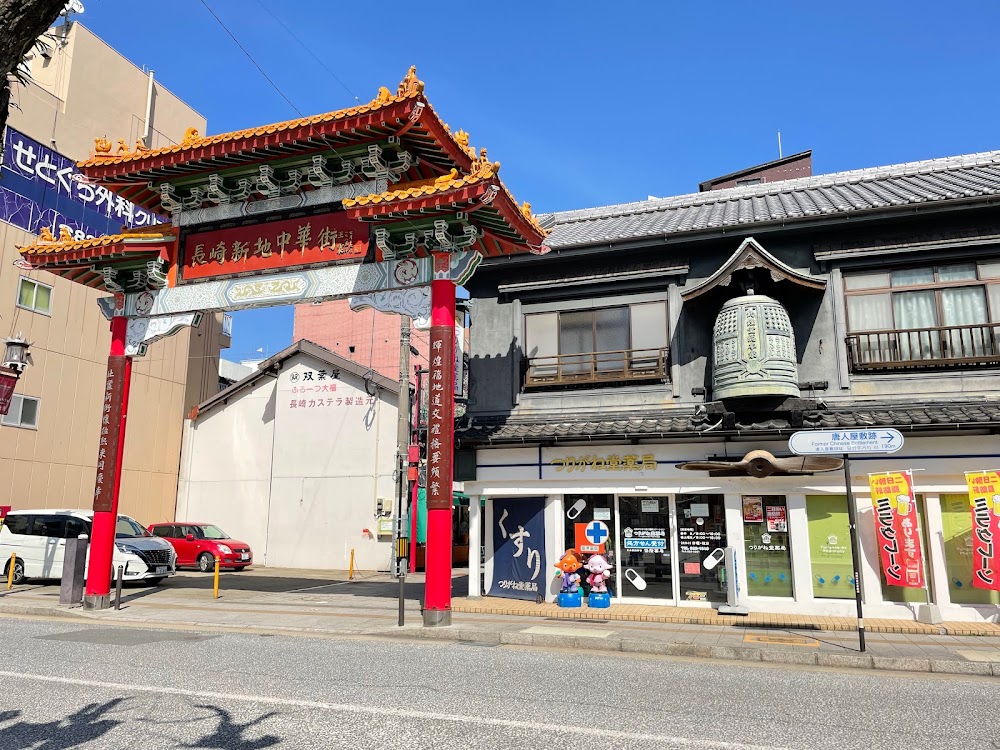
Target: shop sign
[[897, 528], [518, 548], [591, 537], [699, 510], [324, 238], [984, 496], [753, 509], [607, 463], [646, 539], [602, 514], [809, 442], [650, 505], [777, 522]]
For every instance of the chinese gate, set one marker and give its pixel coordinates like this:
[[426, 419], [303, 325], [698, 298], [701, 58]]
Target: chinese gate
[[380, 203]]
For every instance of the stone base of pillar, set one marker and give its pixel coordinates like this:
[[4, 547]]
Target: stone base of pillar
[[95, 601], [437, 618]]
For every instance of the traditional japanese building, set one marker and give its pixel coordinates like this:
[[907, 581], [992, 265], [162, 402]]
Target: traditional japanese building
[[645, 377]]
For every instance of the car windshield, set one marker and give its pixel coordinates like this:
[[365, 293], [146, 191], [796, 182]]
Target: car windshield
[[210, 532], [126, 528]]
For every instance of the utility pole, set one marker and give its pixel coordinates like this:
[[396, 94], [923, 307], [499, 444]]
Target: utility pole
[[402, 459]]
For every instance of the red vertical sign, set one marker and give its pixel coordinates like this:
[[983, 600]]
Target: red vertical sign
[[7, 384], [440, 413], [984, 496], [897, 528], [107, 454]]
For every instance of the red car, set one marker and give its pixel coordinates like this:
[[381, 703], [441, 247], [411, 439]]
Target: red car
[[197, 545]]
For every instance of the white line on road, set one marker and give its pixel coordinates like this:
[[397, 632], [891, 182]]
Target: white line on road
[[402, 713]]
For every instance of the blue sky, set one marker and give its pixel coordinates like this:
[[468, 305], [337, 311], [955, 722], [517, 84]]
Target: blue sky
[[593, 103]]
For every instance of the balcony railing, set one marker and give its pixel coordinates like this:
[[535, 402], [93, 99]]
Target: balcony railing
[[624, 365], [941, 346]]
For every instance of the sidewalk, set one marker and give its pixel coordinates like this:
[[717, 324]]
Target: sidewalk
[[326, 604]]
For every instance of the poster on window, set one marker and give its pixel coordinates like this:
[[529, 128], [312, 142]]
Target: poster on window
[[519, 569], [777, 521], [984, 496], [753, 509], [897, 528]]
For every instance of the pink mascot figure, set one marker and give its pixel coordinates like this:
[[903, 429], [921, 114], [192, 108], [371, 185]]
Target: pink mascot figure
[[600, 572]]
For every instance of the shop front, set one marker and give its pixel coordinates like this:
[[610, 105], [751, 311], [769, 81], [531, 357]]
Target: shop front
[[662, 528]]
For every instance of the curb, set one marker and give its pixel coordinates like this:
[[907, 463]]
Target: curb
[[582, 642]]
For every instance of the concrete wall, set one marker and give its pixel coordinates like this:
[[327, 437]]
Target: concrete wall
[[300, 484], [85, 90]]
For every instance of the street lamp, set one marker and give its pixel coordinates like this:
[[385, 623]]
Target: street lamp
[[16, 355]]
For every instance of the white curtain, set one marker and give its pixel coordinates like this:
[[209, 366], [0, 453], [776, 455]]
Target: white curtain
[[871, 312], [916, 310], [965, 307]]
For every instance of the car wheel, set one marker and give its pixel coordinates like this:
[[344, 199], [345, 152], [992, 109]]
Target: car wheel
[[154, 581], [205, 562], [18, 570]]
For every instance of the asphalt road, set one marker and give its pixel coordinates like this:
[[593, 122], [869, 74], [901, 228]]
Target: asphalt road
[[67, 686]]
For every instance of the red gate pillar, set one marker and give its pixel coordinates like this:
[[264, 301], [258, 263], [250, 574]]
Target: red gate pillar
[[440, 446], [109, 470]]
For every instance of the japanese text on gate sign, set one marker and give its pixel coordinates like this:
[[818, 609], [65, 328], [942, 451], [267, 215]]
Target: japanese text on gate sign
[[897, 528], [324, 238], [984, 497], [440, 417], [107, 454]]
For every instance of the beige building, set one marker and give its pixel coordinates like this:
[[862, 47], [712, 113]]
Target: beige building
[[83, 89]]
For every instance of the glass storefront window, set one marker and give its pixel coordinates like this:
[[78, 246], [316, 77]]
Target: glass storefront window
[[956, 522], [581, 510], [645, 547], [768, 556], [701, 528], [908, 594], [830, 547]]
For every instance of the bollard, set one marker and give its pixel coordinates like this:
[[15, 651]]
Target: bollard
[[216, 593], [350, 572], [10, 574], [118, 587]]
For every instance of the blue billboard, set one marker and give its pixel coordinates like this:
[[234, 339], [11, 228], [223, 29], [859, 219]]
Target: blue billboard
[[40, 188]]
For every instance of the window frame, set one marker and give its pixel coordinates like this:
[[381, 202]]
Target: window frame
[[19, 424], [981, 281], [34, 297], [594, 310]]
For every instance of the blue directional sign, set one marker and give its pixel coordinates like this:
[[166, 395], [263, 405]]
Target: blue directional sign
[[838, 442]]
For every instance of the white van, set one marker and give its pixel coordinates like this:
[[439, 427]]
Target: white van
[[38, 538]]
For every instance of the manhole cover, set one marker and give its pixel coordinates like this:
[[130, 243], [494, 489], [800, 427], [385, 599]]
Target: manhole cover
[[781, 640], [122, 637]]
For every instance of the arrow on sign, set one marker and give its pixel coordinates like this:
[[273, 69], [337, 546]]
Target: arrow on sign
[[889, 438]]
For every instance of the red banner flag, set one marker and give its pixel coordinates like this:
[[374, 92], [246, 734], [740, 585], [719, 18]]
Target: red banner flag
[[984, 496], [897, 528]]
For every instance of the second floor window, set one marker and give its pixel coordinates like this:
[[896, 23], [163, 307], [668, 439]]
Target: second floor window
[[929, 315], [23, 412], [623, 343], [33, 295]]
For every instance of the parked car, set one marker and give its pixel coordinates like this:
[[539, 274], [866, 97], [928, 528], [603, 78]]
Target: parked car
[[38, 538], [198, 544]]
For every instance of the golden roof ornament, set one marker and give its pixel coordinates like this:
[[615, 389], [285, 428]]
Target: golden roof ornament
[[526, 210], [410, 85], [102, 146], [46, 235], [122, 148], [446, 178], [384, 96], [64, 234], [190, 136], [140, 147], [462, 139], [483, 167]]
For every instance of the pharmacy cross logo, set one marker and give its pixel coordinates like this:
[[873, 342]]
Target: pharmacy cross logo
[[597, 532]]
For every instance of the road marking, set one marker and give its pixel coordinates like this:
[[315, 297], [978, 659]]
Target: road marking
[[402, 713]]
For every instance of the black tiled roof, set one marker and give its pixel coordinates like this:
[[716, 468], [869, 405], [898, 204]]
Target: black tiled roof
[[962, 416]]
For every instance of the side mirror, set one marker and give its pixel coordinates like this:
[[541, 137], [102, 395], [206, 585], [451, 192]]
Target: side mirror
[[190, 537]]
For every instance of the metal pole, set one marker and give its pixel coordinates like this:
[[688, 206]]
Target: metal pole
[[852, 514], [402, 451], [118, 587]]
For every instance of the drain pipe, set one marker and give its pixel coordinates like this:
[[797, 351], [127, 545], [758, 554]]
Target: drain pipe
[[149, 112]]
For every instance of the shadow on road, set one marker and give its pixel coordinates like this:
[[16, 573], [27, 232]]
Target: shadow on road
[[229, 735], [381, 587], [89, 723]]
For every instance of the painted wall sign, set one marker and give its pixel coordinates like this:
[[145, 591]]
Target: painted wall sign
[[323, 238], [753, 509], [897, 528], [835, 442], [984, 496], [606, 463], [40, 187], [519, 548]]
